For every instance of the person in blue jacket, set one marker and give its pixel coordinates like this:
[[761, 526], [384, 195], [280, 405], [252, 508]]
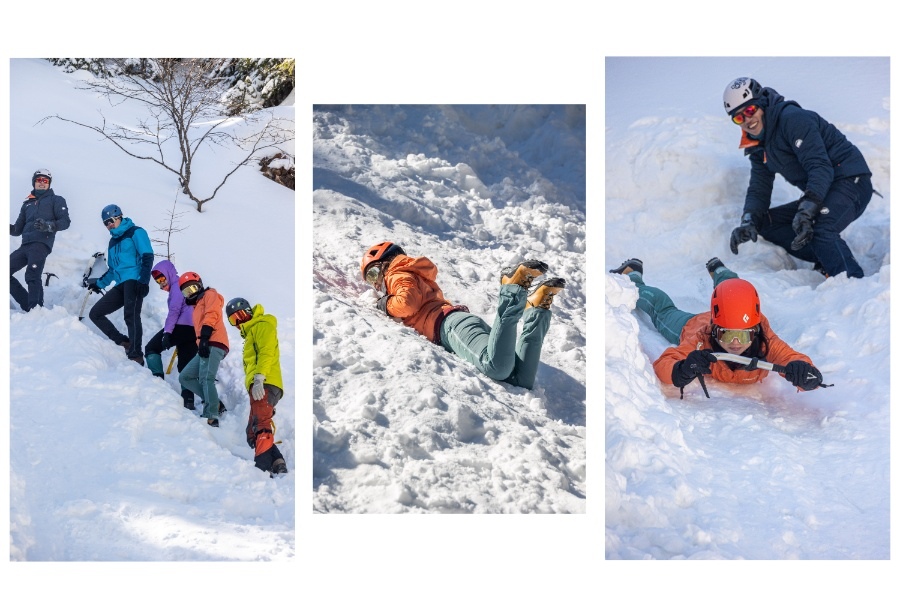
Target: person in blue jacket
[[130, 257], [811, 154], [177, 331], [43, 213]]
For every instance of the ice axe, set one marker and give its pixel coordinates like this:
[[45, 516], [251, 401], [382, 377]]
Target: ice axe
[[755, 363], [47, 278], [172, 361]]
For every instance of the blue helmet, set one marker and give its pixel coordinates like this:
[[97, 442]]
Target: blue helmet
[[110, 211]]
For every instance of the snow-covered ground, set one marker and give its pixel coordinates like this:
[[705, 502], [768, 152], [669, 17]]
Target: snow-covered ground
[[753, 472], [401, 425], [105, 463]]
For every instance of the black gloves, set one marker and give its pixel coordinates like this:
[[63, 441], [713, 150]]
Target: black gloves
[[166, 340], [92, 286], [696, 363], [803, 375], [142, 288], [809, 207], [12, 229], [203, 346], [382, 304], [45, 226], [745, 232]]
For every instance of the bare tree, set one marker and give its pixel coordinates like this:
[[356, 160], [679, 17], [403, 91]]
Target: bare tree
[[184, 114], [171, 229]]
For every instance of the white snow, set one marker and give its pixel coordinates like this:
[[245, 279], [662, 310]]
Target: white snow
[[105, 463], [761, 471], [400, 424]]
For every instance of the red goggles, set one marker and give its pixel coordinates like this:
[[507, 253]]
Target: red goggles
[[41, 180], [741, 116]]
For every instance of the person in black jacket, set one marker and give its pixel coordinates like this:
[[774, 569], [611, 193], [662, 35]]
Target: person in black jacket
[[811, 154], [42, 214]]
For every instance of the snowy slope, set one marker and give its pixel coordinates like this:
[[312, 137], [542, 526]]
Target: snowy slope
[[757, 472], [401, 425], [105, 464]]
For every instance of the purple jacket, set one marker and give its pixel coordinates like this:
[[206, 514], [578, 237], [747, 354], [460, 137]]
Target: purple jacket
[[179, 312]]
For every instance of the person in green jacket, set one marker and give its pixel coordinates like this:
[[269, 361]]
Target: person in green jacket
[[262, 371]]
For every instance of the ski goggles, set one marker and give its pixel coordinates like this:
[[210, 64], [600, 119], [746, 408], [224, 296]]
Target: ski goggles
[[109, 221], [739, 117], [161, 280], [742, 336], [238, 317], [189, 290], [373, 275], [41, 180]]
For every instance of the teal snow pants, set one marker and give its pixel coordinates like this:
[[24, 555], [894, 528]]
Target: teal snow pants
[[199, 376], [493, 349], [668, 319]]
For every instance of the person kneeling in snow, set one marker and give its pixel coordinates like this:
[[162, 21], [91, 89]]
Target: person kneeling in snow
[[734, 325], [178, 330], [262, 369], [411, 294]]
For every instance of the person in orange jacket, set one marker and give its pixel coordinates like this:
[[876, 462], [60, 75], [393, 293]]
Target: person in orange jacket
[[199, 375], [734, 324], [410, 293]]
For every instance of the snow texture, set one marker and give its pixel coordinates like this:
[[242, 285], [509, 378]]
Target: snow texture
[[105, 463], [400, 424], [760, 471]]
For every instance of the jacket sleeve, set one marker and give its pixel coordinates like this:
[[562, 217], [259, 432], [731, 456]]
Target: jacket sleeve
[[406, 297], [759, 191], [666, 362], [19, 226], [265, 344], [802, 129], [176, 307], [61, 220], [145, 251]]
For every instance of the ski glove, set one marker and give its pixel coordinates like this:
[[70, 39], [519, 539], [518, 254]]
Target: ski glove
[[382, 304], [92, 286], [744, 232], [810, 205], [803, 375], [203, 346], [257, 391], [45, 226], [12, 229], [696, 363], [166, 340], [143, 289]]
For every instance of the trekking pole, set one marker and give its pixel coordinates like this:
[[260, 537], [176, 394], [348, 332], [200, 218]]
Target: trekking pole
[[172, 361], [755, 363]]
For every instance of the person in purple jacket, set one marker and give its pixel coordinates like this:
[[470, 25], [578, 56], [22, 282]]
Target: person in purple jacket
[[178, 330]]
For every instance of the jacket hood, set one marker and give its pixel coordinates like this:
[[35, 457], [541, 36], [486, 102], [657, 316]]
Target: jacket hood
[[168, 269], [418, 265], [124, 226], [259, 315]]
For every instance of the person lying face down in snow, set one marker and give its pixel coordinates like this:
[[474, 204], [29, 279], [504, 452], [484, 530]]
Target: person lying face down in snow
[[410, 293], [734, 324]]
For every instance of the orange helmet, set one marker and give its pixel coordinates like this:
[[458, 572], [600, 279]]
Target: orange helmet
[[735, 305], [379, 252]]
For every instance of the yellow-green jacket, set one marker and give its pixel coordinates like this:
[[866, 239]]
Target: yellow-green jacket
[[261, 348]]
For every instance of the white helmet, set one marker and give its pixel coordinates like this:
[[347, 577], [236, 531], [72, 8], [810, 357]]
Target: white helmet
[[739, 92], [41, 173]]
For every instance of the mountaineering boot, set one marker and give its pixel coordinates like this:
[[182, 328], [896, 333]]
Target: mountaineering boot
[[712, 265], [278, 468], [212, 422], [523, 273], [221, 407], [632, 264], [188, 397], [542, 296], [154, 363]]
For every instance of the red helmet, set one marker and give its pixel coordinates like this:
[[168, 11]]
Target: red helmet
[[379, 252], [190, 284], [735, 305]]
